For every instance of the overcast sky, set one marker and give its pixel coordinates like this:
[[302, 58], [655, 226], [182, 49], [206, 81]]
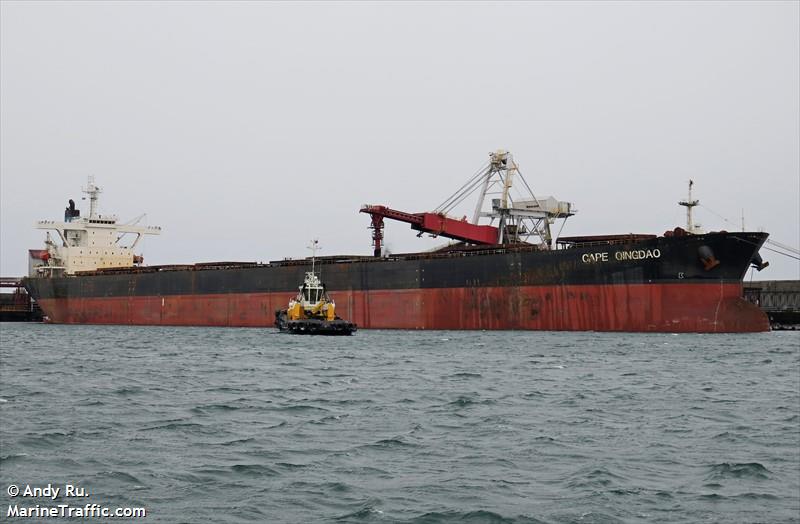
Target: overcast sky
[[246, 129]]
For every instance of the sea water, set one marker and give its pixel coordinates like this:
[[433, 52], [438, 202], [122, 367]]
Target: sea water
[[248, 425]]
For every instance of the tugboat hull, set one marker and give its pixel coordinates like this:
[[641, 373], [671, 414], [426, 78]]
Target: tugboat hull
[[312, 326]]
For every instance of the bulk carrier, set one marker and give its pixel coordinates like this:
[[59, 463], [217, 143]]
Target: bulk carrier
[[506, 270]]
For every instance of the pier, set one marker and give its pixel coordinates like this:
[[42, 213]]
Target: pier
[[16, 305], [779, 299]]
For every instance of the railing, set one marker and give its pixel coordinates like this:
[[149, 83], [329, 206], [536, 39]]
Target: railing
[[614, 242]]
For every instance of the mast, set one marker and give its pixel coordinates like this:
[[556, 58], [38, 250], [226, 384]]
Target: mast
[[314, 246], [689, 204], [93, 191]]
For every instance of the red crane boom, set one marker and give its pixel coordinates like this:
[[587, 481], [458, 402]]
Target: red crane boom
[[433, 223]]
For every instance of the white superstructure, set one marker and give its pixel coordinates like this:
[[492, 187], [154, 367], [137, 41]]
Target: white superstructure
[[87, 243]]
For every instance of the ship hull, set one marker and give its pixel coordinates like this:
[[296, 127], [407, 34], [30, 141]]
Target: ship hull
[[649, 307], [659, 285]]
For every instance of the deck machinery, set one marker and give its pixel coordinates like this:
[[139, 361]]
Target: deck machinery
[[511, 220]]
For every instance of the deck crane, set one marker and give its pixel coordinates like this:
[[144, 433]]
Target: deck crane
[[517, 220]]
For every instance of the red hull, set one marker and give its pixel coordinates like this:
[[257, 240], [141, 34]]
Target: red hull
[[669, 307]]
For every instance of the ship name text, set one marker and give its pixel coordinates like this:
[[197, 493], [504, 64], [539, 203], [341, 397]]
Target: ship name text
[[636, 254]]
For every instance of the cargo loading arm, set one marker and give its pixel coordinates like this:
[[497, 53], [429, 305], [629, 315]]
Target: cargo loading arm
[[518, 219], [433, 223]]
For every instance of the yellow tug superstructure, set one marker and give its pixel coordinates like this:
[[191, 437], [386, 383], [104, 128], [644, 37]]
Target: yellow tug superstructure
[[312, 302]]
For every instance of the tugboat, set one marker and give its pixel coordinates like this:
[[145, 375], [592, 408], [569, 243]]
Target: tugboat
[[312, 311]]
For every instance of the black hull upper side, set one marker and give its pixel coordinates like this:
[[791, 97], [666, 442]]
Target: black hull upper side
[[681, 259]]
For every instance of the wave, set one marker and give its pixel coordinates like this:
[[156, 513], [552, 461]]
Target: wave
[[174, 425], [364, 513], [387, 443], [464, 401], [120, 476], [253, 469], [535, 394], [756, 496], [127, 391], [14, 457], [300, 408], [213, 408], [336, 487], [290, 466], [246, 470], [464, 374], [327, 419], [91, 403], [235, 442], [472, 517], [752, 470], [47, 440], [729, 436], [594, 478]]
